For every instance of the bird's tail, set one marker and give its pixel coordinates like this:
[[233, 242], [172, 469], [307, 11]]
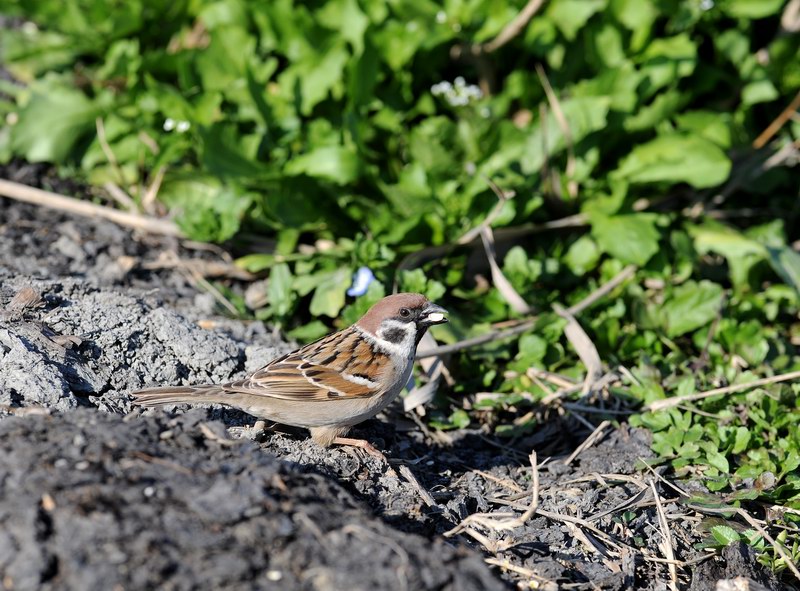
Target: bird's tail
[[207, 394]]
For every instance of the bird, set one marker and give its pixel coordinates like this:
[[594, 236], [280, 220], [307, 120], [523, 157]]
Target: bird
[[331, 384]]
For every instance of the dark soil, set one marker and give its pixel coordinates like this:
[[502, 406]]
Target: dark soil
[[97, 494]]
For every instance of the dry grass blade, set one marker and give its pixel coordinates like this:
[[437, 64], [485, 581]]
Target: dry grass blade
[[499, 521], [779, 122], [434, 369], [149, 197], [527, 324], [558, 113], [112, 160], [583, 346], [426, 497], [676, 400], [120, 196], [790, 19], [596, 436], [666, 543], [603, 290], [503, 285], [525, 572], [502, 197], [513, 28]]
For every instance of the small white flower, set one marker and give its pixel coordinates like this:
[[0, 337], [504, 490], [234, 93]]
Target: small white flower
[[457, 94], [412, 26], [441, 17], [182, 126], [706, 4], [169, 124], [470, 168]]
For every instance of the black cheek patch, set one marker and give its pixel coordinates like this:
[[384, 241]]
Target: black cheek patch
[[394, 335]]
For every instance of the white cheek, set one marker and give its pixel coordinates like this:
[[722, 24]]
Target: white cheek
[[436, 317]]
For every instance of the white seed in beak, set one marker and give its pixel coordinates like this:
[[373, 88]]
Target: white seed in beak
[[435, 317]]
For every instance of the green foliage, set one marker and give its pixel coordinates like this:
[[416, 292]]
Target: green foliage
[[346, 133]]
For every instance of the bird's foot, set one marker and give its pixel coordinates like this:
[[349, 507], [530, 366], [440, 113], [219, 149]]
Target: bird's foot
[[363, 444]]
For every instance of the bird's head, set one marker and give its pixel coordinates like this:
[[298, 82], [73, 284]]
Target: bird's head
[[402, 319]]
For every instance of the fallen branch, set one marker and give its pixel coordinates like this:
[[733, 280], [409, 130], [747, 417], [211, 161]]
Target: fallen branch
[[52, 200]]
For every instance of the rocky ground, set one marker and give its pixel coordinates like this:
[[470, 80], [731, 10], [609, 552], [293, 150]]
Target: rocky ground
[[97, 494]]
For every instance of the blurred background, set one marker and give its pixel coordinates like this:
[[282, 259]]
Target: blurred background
[[501, 157]]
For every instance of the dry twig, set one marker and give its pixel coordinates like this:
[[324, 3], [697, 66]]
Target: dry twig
[[667, 544], [676, 400], [52, 200], [779, 122], [527, 324], [596, 435]]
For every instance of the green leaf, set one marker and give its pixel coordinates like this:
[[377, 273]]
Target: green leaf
[[668, 59], [345, 17], [725, 535], [279, 290], [584, 114], [224, 155], [759, 91], [748, 9], [333, 163], [208, 210], [309, 332], [741, 441], [318, 76], [631, 238], [571, 15], [50, 124], [691, 306], [329, 297], [786, 263], [713, 126], [740, 251], [582, 256], [676, 158]]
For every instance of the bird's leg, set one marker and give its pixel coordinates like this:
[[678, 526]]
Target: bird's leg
[[259, 429], [363, 444]]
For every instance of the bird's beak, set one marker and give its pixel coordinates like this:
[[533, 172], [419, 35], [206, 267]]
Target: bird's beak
[[433, 314]]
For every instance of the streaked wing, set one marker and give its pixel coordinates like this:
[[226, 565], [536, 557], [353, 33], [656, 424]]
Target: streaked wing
[[341, 366]]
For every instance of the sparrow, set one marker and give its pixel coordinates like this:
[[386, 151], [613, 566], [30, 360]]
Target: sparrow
[[331, 384]]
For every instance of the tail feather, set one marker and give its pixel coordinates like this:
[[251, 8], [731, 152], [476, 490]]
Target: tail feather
[[208, 394]]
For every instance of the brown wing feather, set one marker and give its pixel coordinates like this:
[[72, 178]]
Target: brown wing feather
[[314, 372]]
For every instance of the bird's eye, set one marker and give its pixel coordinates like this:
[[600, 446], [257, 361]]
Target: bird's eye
[[405, 312]]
